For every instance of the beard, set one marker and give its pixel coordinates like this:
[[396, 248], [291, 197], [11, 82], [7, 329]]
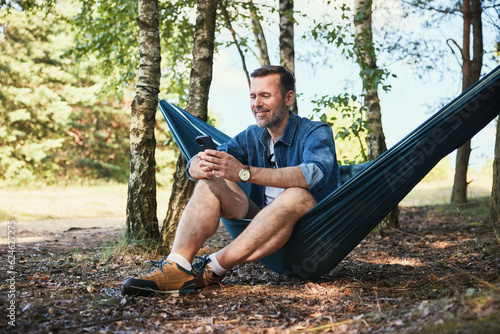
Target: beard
[[276, 116]]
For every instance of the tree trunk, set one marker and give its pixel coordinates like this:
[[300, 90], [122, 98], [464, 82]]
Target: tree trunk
[[260, 38], [142, 222], [182, 189], [287, 49], [495, 191], [197, 105], [367, 61], [471, 71], [459, 191]]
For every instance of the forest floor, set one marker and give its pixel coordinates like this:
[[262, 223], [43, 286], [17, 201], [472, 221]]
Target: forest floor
[[439, 273]]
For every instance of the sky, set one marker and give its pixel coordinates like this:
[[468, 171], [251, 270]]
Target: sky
[[409, 103]]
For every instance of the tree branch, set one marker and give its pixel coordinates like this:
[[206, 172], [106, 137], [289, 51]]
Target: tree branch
[[453, 51], [233, 33]]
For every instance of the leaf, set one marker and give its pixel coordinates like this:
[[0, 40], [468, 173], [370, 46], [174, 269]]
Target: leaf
[[91, 288], [26, 307]]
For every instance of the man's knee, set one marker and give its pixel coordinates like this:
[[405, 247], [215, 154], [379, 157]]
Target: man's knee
[[231, 200], [212, 186], [298, 199]]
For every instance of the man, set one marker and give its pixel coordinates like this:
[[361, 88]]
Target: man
[[291, 164]]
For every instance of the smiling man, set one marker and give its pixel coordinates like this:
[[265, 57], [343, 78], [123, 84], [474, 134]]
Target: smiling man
[[291, 164]]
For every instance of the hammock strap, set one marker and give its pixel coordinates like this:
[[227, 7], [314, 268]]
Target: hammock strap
[[151, 90]]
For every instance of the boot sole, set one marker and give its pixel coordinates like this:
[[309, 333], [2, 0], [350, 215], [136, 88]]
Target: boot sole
[[131, 289]]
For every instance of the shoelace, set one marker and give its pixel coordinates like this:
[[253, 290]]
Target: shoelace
[[158, 265], [200, 264]]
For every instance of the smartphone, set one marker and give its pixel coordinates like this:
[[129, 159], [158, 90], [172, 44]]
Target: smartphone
[[205, 143]]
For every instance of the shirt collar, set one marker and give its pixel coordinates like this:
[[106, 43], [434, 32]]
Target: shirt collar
[[290, 129]]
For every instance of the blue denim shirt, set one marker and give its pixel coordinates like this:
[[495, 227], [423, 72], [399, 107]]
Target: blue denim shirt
[[304, 143]]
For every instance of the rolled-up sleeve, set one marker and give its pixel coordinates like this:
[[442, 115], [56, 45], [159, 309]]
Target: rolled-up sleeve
[[312, 174], [319, 160]]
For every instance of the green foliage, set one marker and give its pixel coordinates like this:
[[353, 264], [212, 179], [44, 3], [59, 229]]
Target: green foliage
[[108, 31], [177, 37], [55, 122], [342, 35], [345, 116], [98, 27], [352, 129]]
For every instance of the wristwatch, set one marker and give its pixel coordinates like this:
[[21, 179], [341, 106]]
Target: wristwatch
[[244, 174]]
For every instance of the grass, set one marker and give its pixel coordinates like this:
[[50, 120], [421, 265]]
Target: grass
[[125, 247], [478, 207]]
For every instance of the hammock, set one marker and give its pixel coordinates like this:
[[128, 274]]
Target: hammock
[[332, 229]]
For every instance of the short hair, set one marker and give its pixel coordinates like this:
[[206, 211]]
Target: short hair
[[287, 81]]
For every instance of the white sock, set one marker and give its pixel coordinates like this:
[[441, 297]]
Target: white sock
[[180, 260], [215, 265]]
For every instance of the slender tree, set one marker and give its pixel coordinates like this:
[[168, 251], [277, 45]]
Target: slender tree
[[197, 105], [370, 75], [260, 37], [367, 60], [142, 221], [495, 190], [471, 71], [287, 47]]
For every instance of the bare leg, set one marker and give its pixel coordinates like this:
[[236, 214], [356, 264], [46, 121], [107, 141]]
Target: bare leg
[[212, 198], [269, 230]]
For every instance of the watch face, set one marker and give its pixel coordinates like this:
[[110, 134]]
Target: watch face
[[244, 174]]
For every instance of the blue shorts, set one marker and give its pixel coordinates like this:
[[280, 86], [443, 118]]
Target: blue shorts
[[298, 257]]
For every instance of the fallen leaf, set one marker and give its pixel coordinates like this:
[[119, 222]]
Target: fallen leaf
[[91, 288]]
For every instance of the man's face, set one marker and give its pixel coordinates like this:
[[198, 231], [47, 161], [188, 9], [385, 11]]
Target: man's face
[[268, 106]]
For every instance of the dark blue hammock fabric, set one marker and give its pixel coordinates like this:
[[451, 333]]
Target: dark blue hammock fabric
[[333, 228]]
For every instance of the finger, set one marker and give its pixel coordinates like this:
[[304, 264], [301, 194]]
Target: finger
[[214, 153], [211, 152], [207, 166], [211, 158], [202, 156]]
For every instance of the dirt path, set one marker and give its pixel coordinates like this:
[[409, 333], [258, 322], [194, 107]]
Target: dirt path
[[50, 229], [439, 273]]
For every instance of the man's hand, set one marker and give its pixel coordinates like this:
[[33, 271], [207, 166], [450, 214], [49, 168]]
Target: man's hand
[[221, 164], [213, 163]]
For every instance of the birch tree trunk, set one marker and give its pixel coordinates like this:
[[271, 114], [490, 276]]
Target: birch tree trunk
[[368, 64], [142, 222], [471, 71], [197, 105], [367, 61], [287, 49], [260, 38]]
